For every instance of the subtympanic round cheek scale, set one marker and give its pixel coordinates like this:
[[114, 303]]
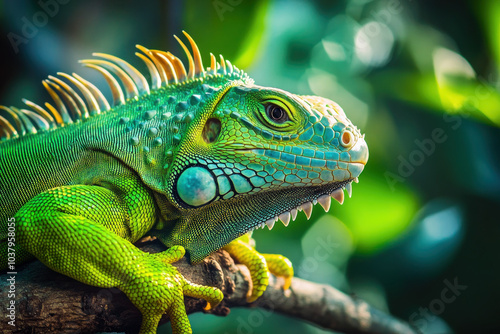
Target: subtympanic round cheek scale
[[196, 186]]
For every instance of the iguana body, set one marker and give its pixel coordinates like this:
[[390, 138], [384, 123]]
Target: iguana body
[[199, 159]]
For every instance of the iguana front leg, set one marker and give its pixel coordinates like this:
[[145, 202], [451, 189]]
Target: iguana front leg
[[85, 232], [260, 265]]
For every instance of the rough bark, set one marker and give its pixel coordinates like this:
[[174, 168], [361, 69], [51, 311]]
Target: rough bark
[[48, 302]]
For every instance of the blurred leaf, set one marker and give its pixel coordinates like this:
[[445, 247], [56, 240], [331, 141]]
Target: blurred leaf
[[451, 94], [326, 247], [459, 89], [489, 13], [328, 235], [449, 69], [213, 23], [414, 87]]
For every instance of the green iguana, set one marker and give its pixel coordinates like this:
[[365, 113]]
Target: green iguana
[[197, 158]]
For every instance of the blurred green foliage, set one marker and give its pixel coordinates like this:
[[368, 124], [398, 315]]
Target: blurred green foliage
[[385, 224], [240, 44]]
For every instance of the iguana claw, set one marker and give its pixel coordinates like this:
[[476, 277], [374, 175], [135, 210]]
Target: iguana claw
[[260, 265], [280, 266]]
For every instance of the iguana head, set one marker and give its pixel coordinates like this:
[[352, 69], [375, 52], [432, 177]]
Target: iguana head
[[258, 155]]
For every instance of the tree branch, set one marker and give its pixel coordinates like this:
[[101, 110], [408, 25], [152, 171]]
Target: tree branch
[[50, 302]]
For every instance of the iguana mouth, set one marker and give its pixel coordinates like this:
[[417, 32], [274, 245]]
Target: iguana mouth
[[310, 196], [203, 228]]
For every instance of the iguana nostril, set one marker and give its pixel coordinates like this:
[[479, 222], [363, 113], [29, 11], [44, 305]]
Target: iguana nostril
[[211, 130], [347, 138]]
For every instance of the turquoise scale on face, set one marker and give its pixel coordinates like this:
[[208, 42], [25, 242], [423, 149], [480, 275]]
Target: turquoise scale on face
[[224, 185], [240, 183]]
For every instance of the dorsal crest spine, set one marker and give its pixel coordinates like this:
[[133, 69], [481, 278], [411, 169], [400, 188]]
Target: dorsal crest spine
[[71, 106]]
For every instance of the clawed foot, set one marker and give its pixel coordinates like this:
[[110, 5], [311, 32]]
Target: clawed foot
[[157, 288], [260, 265]]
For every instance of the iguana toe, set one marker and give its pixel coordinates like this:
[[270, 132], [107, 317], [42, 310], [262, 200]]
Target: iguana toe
[[280, 266], [259, 265]]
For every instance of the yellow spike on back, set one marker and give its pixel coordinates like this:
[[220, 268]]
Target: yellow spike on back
[[127, 82], [53, 110], [15, 117], [222, 64], [139, 80], [213, 63], [116, 90], [190, 58], [199, 70], [178, 65], [91, 101], [166, 65], [61, 109], [157, 63], [70, 102], [84, 113], [153, 71], [101, 100], [7, 127]]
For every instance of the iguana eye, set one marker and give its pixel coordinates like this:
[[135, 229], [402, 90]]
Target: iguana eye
[[276, 113]]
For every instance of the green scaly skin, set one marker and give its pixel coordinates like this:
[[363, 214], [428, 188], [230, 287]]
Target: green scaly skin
[[198, 164]]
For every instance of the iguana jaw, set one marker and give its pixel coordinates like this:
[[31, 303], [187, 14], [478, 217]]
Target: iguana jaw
[[335, 191], [284, 204], [238, 216]]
